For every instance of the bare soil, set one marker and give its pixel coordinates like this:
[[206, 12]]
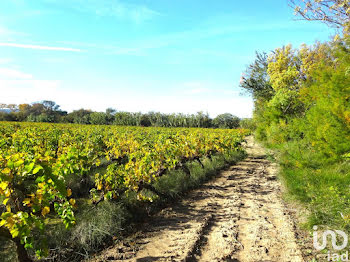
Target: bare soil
[[239, 216]]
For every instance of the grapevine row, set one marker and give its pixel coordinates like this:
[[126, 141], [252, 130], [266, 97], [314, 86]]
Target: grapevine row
[[37, 159]]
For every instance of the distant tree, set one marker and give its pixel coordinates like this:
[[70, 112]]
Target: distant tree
[[44, 111], [49, 111], [226, 120], [247, 123], [110, 115], [24, 110], [37, 109], [98, 118], [81, 116], [124, 119], [202, 120], [8, 112], [152, 116], [45, 117], [24, 107], [4, 116], [12, 107], [50, 105], [145, 120], [111, 111]]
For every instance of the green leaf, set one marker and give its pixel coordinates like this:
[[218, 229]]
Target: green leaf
[[14, 233], [29, 168], [18, 163], [2, 222], [5, 201], [37, 169], [40, 179]]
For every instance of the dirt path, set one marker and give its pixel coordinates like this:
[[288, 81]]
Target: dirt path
[[239, 216]]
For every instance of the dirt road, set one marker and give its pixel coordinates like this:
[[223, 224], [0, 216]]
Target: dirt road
[[239, 216]]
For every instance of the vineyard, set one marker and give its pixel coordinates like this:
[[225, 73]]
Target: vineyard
[[39, 162]]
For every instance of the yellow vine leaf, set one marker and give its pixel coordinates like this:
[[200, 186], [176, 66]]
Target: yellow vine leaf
[[3, 185], [72, 201], [5, 201], [45, 211], [26, 201]]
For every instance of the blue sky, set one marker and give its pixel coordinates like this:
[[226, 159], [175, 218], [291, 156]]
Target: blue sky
[[146, 55]]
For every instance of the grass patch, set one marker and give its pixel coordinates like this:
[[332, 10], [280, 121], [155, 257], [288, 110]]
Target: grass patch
[[321, 185], [96, 227], [7, 251], [176, 182]]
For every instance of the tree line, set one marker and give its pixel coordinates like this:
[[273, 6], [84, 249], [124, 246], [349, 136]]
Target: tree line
[[302, 110], [303, 93], [49, 111]]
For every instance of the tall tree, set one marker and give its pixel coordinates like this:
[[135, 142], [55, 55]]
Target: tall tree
[[255, 80], [50, 105]]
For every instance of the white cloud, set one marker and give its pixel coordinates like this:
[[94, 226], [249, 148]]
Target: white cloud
[[4, 31], [19, 87], [27, 91], [195, 91], [135, 13], [125, 51], [141, 14], [194, 88], [8, 34], [40, 47], [5, 60], [8, 73]]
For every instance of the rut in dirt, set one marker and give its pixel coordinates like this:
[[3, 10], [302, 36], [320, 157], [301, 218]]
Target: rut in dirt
[[239, 216]]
